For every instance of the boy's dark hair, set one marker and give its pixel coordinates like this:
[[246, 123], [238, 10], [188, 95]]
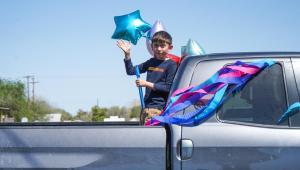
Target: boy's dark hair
[[162, 36]]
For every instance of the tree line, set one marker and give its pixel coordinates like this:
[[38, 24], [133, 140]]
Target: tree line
[[15, 104]]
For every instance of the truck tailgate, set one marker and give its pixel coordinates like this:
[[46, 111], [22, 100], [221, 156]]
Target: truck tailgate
[[83, 147]]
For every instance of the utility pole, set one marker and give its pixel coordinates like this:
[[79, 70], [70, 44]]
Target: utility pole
[[27, 82], [33, 83]]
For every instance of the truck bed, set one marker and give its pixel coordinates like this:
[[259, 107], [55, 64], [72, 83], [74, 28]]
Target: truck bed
[[82, 146]]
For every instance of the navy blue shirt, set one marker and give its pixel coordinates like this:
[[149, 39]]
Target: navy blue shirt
[[159, 72]]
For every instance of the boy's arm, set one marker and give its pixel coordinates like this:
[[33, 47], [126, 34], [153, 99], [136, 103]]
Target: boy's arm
[[126, 46], [130, 70]]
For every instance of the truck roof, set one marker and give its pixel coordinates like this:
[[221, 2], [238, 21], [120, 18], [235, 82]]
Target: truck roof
[[248, 55]]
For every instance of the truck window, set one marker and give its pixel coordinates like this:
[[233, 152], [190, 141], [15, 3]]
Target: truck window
[[261, 101]]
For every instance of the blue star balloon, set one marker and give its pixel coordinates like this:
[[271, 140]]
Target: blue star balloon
[[130, 27]]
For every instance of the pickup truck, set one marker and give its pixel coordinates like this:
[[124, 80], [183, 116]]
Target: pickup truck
[[243, 133]]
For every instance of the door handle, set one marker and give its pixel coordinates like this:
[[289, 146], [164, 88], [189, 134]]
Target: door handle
[[185, 148]]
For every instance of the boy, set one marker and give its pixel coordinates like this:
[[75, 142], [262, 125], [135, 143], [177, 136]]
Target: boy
[[160, 73]]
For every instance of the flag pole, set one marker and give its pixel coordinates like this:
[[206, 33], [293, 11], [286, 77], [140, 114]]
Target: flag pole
[[137, 73]]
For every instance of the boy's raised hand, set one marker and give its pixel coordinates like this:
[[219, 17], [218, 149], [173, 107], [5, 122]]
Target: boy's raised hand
[[125, 46]]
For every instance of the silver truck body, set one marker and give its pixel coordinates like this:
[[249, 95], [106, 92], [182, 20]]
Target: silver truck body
[[233, 138]]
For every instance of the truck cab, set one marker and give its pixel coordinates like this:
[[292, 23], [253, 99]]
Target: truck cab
[[244, 132]]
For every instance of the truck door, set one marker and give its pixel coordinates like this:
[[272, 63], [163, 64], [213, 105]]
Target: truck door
[[243, 133]]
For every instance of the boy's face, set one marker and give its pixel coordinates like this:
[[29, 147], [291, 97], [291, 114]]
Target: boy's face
[[161, 49]]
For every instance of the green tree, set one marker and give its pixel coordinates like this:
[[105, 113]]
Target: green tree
[[98, 114], [124, 112], [83, 116], [12, 96], [64, 115], [113, 111], [41, 108], [135, 112], [118, 111]]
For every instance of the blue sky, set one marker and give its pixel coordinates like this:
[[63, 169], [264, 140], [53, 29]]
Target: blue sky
[[67, 45]]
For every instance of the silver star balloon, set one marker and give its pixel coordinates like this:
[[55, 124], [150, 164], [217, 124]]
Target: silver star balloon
[[191, 48], [157, 26]]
